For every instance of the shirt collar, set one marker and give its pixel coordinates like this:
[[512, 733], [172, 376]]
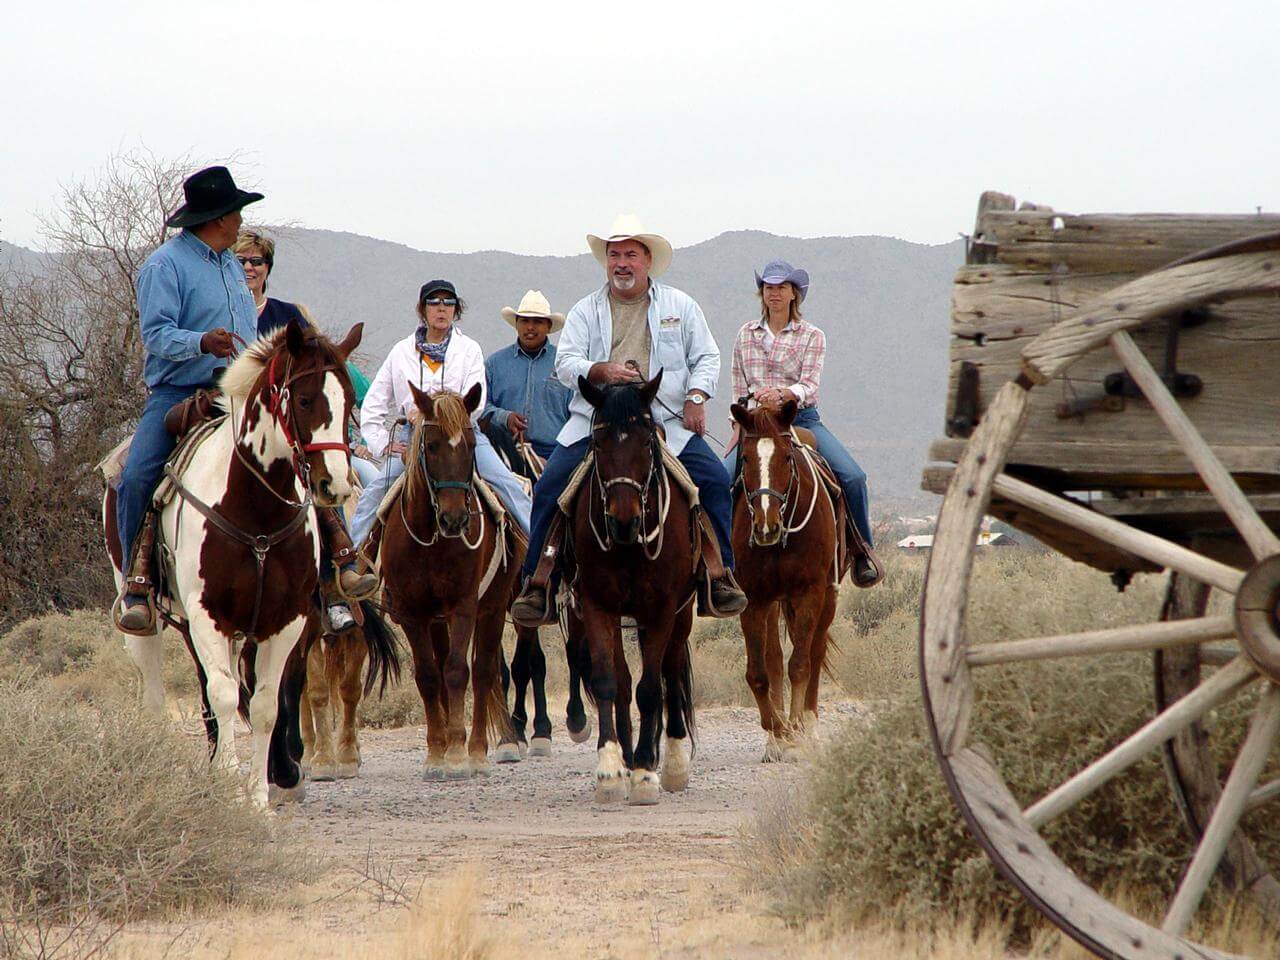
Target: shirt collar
[[762, 323], [202, 249], [521, 352]]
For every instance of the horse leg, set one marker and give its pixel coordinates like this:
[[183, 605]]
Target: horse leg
[[457, 672], [352, 656], [653, 637], [773, 660], [426, 674], [221, 687], [269, 667], [802, 619], [755, 633], [320, 759], [603, 638], [147, 654], [678, 673], [284, 770], [575, 714], [540, 746], [519, 685], [622, 705], [818, 655], [488, 705]]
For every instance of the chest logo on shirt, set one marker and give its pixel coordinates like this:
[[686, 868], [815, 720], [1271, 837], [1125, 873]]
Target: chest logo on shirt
[[669, 323]]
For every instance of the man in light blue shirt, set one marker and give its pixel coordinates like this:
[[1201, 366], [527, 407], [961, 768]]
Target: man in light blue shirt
[[625, 332], [524, 397], [192, 301]]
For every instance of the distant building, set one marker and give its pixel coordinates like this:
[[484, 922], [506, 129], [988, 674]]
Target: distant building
[[922, 542]]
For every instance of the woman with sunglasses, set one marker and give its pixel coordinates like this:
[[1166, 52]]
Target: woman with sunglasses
[[257, 254], [436, 356]]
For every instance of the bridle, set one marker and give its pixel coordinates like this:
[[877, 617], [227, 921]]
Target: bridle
[[652, 540], [789, 525], [434, 486]]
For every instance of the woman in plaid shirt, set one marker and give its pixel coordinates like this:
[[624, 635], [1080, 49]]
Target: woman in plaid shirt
[[779, 357]]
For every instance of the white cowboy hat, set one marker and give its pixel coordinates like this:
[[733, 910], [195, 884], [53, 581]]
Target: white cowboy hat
[[627, 227], [534, 304]]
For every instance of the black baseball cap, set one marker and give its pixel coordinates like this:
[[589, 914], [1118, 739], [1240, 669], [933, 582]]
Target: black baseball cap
[[436, 286]]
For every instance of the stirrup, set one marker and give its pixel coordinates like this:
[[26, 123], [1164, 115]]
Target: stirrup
[[118, 610], [523, 612], [706, 606]]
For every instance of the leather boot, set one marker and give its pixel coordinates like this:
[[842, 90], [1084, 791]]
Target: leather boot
[[718, 592], [333, 533], [184, 416], [535, 607], [136, 608], [367, 555]]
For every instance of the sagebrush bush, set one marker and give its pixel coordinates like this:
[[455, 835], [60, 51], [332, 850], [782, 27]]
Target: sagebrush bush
[[106, 811]]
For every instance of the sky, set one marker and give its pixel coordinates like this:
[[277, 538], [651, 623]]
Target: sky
[[480, 125]]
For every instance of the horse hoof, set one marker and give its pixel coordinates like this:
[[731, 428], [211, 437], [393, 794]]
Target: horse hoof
[[480, 767], [347, 771], [611, 790], [507, 753], [540, 747], [644, 788], [278, 796], [581, 736], [461, 772], [432, 772], [324, 774], [773, 750], [524, 749], [675, 780]]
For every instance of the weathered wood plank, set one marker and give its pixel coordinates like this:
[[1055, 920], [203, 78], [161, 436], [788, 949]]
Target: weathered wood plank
[[1121, 463], [1144, 636]]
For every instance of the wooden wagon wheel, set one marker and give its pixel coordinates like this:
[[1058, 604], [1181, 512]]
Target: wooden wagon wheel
[[951, 665]]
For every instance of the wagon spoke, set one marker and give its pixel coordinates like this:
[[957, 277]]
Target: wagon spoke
[[1262, 795], [1146, 545], [1223, 685], [1217, 477], [1226, 815], [1216, 655], [1146, 636]]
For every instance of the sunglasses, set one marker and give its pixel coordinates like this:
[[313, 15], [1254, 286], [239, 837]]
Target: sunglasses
[[441, 302], [252, 261]]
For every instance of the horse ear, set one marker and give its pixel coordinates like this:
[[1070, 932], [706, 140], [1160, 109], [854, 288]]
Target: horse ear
[[788, 412], [294, 338], [472, 399], [650, 389], [422, 399], [741, 415], [350, 341], [590, 392]]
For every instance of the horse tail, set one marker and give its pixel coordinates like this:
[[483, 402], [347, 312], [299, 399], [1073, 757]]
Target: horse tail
[[684, 685], [499, 726], [384, 650], [825, 666], [245, 676]]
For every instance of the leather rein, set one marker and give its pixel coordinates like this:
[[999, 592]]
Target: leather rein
[[434, 486], [655, 477], [277, 403], [784, 496]]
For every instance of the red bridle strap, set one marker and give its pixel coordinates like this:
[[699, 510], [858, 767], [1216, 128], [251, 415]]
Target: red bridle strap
[[278, 405]]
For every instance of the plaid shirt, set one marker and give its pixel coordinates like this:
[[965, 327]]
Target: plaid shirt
[[795, 360]]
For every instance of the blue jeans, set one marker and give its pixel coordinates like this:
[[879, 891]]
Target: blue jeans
[[488, 464], [365, 470], [151, 447], [853, 479], [703, 466]]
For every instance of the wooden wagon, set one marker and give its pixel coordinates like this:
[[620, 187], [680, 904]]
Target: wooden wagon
[[1115, 392]]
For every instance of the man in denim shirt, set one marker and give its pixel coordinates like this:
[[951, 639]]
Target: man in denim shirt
[[192, 300], [524, 396]]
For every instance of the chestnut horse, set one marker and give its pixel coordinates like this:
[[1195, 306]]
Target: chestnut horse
[[784, 540], [634, 553], [241, 548], [438, 545]]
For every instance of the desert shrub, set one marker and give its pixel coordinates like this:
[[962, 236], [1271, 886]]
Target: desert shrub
[[84, 657], [104, 811], [400, 706], [719, 664]]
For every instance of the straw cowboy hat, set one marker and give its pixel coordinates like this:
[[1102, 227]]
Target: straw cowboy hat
[[627, 227], [534, 304]]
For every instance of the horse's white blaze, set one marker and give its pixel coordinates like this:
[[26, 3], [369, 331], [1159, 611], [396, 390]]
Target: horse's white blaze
[[333, 431], [764, 449]]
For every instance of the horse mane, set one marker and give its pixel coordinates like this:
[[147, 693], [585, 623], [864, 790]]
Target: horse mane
[[766, 422], [622, 405], [243, 374], [450, 416]]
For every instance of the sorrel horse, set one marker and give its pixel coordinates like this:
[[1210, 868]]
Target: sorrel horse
[[634, 554], [448, 572], [528, 661], [784, 538], [241, 548]]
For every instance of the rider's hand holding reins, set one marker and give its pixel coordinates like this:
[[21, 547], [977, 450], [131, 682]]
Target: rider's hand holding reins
[[610, 373], [517, 424], [695, 417], [217, 342]]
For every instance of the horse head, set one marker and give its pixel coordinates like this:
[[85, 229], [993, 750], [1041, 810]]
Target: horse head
[[443, 452], [624, 440], [297, 400], [766, 449]]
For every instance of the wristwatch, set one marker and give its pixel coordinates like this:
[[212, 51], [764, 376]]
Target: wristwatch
[[695, 398]]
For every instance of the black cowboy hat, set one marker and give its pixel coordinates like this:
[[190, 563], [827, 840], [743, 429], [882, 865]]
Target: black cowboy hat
[[210, 193]]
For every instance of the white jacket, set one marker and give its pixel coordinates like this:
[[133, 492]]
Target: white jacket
[[682, 345], [389, 396]]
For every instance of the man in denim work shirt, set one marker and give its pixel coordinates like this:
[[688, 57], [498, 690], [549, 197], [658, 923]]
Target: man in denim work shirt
[[524, 396]]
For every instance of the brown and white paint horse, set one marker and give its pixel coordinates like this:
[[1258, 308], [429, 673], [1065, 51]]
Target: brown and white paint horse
[[437, 545], [633, 555], [282, 449], [784, 540]]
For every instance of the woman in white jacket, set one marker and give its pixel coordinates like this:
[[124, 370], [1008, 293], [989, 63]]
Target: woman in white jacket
[[436, 356]]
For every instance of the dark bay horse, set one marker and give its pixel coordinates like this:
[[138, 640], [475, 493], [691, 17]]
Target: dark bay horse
[[784, 538], [241, 546], [634, 554], [529, 662], [448, 574]]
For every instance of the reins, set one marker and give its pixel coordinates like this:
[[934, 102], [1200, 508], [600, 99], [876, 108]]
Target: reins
[[433, 487], [785, 497], [655, 476]]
